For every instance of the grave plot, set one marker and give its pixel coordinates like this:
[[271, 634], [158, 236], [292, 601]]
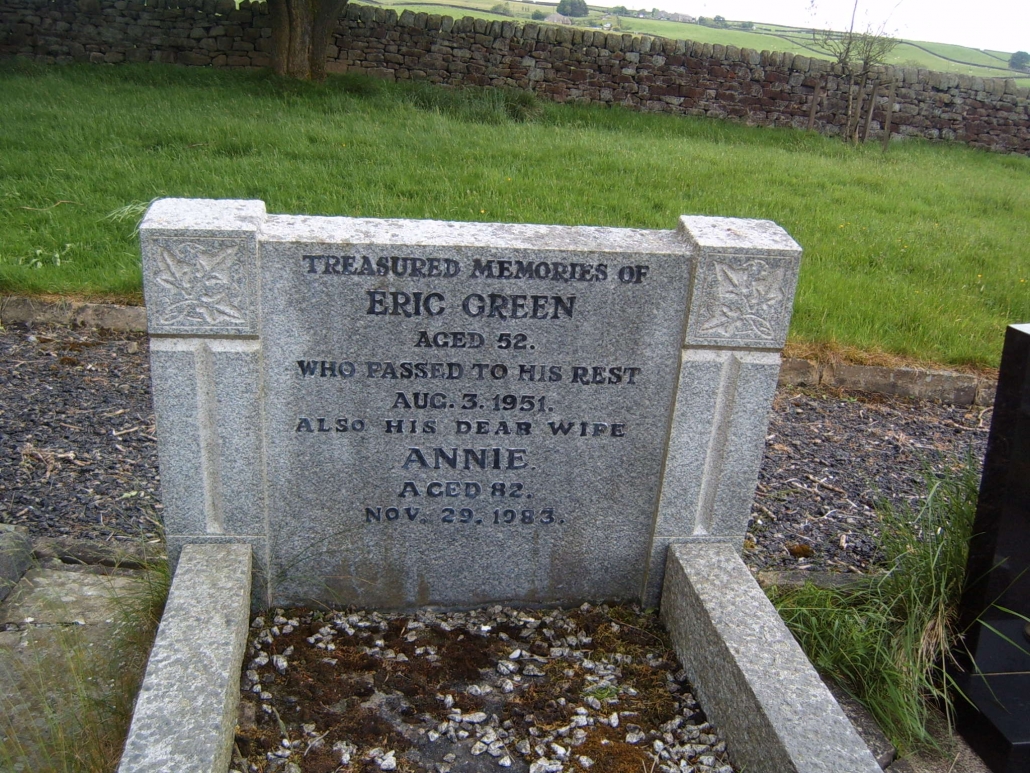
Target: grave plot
[[418, 415], [597, 688]]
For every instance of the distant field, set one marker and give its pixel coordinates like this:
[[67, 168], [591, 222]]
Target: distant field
[[920, 252], [942, 57]]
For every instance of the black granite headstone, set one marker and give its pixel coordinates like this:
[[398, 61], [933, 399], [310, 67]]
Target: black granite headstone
[[996, 603]]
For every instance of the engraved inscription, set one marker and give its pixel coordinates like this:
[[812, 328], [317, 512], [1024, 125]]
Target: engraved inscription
[[203, 283], [436, 406], [465, 398]]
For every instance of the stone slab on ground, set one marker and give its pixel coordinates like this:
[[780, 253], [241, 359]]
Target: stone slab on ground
[[61, 641], [186, 711], [56, 597], [918, 383], [955, 388], [750, 674], [83, 553], [795, 578], [75, 313]]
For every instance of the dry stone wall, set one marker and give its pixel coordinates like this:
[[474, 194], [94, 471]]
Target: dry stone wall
[[558, 63]]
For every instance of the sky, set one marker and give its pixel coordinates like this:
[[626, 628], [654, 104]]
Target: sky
[[1000, 25]]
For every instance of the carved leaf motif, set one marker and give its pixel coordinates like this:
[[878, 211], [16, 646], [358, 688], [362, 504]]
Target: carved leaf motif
[[743, 300], [202, 288]]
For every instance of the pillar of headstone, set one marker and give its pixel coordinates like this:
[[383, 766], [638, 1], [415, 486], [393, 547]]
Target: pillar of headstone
[[200, 277], [398, 413], [741, 301], [996, 604]]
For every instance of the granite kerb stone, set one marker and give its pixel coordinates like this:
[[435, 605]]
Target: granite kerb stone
[[750, 674], [185, 714]]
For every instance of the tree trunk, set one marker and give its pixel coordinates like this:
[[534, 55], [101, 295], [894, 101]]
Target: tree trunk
[[816, 96], [889, 110], [301, 30]]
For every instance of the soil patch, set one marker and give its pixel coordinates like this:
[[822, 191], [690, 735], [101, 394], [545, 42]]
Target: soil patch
[[593, 689]]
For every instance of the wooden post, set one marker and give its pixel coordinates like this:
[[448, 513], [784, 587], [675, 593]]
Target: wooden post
[[890, 114], [869, 113], [816, 96], [853, 138]]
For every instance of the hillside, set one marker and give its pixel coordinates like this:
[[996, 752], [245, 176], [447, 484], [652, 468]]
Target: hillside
[[941, 57]]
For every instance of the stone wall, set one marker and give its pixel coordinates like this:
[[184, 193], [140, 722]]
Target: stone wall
[[559, 63]]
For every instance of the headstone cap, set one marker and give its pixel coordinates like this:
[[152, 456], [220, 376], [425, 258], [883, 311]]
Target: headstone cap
[[744, 283], [211, 215], [737, 235]]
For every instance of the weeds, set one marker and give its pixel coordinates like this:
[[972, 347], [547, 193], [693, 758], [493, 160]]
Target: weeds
[[476, 105], [49, 257], [75, 692], [887, 641], [132, 212]]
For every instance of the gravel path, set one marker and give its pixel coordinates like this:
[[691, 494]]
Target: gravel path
[[79, 454]]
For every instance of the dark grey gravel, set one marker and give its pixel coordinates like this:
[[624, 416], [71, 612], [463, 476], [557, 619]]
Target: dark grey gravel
[[78, 453], [78, 456], [831, 459]]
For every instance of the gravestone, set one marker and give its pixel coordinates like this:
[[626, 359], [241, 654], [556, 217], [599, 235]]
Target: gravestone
[[996, 601], [396, 413]]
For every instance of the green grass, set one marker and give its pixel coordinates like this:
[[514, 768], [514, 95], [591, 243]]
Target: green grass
[[942, 57], [886, 642], [964, 54], [921, 252]]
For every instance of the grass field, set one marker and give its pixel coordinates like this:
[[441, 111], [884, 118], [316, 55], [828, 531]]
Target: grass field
[[932, 56], [922, 252]]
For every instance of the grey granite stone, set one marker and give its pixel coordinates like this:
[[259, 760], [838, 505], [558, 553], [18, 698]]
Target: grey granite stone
[[260, 598], [744, 287], [210, 442], [397, 413], [714, 452], [15, 558], [200, 266], [749, 673], [186, 711], [398, 510]]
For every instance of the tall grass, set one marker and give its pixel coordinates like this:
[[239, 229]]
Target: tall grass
[[887, 642], [921, 252], [82, 696]]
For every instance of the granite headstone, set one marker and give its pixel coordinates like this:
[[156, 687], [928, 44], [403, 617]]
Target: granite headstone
[[996, 603], [397, 413]]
